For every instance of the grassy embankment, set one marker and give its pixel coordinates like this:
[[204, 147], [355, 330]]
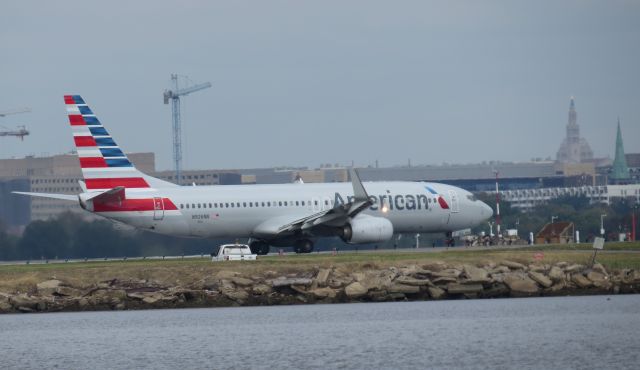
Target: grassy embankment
[[189, 271]]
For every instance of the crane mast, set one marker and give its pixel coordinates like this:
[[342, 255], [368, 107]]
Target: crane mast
[[174, 96]]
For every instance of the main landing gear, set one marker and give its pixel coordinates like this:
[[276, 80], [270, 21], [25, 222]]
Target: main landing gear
[[259, 247], [449, 241], [303, 246]]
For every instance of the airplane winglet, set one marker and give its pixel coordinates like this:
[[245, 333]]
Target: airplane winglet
[[359, 193]]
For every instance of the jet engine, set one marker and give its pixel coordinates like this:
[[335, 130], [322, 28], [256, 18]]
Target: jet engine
[[367, 229]]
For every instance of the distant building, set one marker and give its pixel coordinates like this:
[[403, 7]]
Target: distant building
[[574, 149], [619, 170], [556, 233]]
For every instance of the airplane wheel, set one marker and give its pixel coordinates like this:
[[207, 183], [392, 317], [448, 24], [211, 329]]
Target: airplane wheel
[[303, 246], [259, 247]]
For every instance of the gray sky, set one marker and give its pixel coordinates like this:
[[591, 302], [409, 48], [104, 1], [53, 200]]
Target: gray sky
[[308, 82]]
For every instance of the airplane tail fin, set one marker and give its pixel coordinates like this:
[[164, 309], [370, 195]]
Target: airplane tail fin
[[104, 165]]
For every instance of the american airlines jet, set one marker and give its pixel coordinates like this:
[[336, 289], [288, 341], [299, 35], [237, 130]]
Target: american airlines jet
[[291, 215]]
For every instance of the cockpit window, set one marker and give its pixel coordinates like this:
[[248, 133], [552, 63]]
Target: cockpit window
[[472, 197]]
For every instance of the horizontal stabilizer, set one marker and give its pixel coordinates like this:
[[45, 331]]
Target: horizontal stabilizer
[[112, 195], [47, 195]]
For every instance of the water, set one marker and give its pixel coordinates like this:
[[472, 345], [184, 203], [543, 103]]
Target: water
[[533, 333]]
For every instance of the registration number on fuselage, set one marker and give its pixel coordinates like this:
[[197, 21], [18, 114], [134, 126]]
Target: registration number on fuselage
[[200, 217]]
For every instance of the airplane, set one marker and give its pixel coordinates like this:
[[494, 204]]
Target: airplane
[[282, 215]]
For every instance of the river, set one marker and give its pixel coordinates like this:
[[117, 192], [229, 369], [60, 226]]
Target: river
[[529, 333]]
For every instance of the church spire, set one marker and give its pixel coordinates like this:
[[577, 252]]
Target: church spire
[[619, 170]]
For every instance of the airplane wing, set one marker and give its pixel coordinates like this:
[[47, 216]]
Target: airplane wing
[[336, 216]]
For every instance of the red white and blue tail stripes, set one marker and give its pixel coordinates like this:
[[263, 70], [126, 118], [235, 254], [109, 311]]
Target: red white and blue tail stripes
[[104, 165]]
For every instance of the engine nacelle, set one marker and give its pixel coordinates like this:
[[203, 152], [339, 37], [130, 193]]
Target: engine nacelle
[[367, 229]]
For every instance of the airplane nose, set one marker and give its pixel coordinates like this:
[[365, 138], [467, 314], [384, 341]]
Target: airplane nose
[[487, 211]]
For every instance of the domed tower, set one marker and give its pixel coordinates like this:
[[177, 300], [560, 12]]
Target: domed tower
[[574, 149]]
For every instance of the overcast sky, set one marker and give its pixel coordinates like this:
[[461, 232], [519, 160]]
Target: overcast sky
[[302, 83]]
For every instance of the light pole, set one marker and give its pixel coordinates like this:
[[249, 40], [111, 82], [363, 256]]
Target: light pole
[[602, 216], [553, 218]]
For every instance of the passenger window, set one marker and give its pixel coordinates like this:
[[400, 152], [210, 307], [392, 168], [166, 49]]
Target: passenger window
[[303, 202], [326, 202], [285, 203], [181, 205], [315, 202], [244, 204], [268, 204], [187, 205], [210, 205], [198, 205], [193, 205], [263, 204], [280, 204], [215, 205], [250, 204]]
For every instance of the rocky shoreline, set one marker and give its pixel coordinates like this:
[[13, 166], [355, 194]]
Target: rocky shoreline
[[334, 284]]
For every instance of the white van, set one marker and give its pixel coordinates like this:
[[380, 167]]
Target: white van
[[234, 252]]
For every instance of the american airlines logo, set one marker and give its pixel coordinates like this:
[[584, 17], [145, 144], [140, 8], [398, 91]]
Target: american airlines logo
[[398, 201]]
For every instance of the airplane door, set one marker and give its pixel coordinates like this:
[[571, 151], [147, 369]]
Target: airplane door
[[158, 208], [455, 203]]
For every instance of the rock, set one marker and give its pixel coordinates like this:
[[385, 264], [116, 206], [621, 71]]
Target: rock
[[444, 280], [574, 268], [323, 293], [537, 268], [377, 281], [283, 282], [48, 286], [322, 277], [261, 289], [513, 265], [496, 290], [435, 266], [540, 279], [137, 295], [411, 281], [562, 265], [239, 296], [24, 301], [559, 286], [580, 280], [454, 288], [599, 279], [521, 285], [150, 298], [242, 281], [475, 274], [501, 270], [408, 270], [404, 289], [355, 290], [448, 273], [556, 274], [5, 306], [599, 268], [436, 293]]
